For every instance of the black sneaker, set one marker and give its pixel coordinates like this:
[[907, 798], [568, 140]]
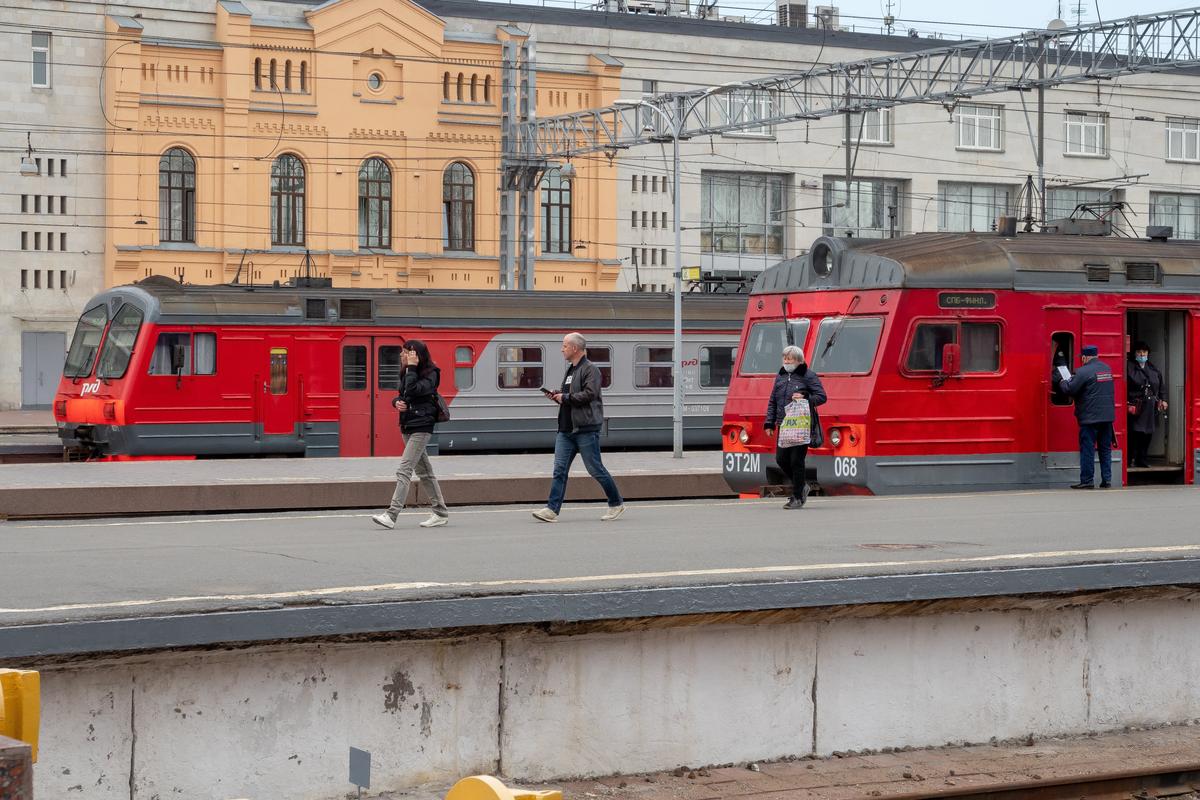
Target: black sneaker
[[794, 503], [1083, 486], [1105, 485], [804, 493]]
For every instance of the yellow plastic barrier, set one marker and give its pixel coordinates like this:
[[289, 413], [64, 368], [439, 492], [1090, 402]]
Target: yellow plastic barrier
[[485, 787], [21, 706]]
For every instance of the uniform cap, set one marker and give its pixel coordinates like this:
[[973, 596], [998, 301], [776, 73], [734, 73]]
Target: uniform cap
[[1090, 350]]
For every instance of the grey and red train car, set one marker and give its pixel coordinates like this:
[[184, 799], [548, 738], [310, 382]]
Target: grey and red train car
[[936, 351], [160, 368]]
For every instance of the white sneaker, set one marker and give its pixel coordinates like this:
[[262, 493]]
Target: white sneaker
[[385, 520], [434, 521], [545, 515], [612, 513]]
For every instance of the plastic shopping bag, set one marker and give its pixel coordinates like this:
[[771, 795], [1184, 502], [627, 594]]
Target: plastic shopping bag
[[796, 428]]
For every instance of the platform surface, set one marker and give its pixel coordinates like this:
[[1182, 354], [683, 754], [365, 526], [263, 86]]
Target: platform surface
[[253, 577]]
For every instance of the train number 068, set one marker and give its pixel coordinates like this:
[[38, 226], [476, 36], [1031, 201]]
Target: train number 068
[[845, 467]]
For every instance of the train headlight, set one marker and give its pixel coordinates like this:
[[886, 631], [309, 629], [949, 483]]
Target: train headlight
[[744, 436], [60, 408], [835, 437], [110, 410]]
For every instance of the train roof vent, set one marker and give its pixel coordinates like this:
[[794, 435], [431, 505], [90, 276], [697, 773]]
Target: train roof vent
[[357, 308], [1143, 272], [1098, 273]]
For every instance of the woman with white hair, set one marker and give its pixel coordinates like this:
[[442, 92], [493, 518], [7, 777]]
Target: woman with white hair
[[795, 381]]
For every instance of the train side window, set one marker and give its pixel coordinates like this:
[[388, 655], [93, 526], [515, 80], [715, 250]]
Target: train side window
[[118, 345], [652, 367], [980, 347], [204, 354], [354, 367], [164, 348], [601, 356], [279, 370], [925, 353], [520, 367], [1062, 354], [765, 343], [716, 366], [847, 345], [389, 367], [464, 368], [980, 342]]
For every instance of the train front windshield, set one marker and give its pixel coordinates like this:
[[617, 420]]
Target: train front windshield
[[86, 343], [118, 345]]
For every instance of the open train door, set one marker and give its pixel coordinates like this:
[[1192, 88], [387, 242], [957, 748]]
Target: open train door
[[1060, 432]]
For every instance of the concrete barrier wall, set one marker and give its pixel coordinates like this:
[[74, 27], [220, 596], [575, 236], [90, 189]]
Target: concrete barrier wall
[[277, 722]]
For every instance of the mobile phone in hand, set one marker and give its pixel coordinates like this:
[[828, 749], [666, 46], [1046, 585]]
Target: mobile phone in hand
[[546, 391]]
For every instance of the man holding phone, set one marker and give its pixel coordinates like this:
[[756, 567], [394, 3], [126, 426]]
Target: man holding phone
[[580, 418]]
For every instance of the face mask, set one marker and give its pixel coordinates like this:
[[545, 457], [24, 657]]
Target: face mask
[[1142, 359], [790, 367]]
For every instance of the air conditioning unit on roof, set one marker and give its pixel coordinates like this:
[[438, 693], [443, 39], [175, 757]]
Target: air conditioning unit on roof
[[827, 17], [792, 15]]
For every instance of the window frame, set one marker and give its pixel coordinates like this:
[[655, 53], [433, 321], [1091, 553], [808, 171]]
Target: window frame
[[501, 364], [1085, 120], [771, 227], [289, 192], [858, 131], [177, 185], [733, 366], [875, 356], [366, 369], [605, 378], [47, 51], [1174, 126], [556, 200], [75, 338], [943, 211], [972, 111], [744, 104], [129, 352], [670, 364], [958, 322], [800, 323], [458, 207], [375, 204], [468, 365]]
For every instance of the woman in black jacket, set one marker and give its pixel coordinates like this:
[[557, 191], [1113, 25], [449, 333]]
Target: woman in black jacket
[[417, 403], [795, 380]]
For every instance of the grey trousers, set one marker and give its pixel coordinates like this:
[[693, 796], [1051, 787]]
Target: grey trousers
[[416, 460]]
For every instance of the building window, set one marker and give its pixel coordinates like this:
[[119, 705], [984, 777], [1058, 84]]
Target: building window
[[747, 105], [487, 88], [41, 59], [633, 219], [643, 183], [177, 196], [304, 76], [458, 203], [287, 201], [972, 206], [1183, 139], [62, 168], [520, 367], [1180, 211], [652, 367], [741, 212], [274, 76], [24, 240], [872, 127], [633, 183], [375, 204], [653, 257], [445, 85], [645, 216], [1086, 133], [556, 213], [871, 211], [62, 204], [287, 75], [474, 88], [979, 127], [1061, 203], [459, 87]]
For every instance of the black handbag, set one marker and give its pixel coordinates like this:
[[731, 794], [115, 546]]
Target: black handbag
[[443, 410]]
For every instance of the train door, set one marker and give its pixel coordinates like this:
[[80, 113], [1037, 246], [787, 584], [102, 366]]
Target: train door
[[1168, 448], [354, 426], [1060, 432], [279, 408], [386, 439]]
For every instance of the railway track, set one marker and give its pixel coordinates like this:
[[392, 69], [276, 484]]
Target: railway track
[[1173, 782]]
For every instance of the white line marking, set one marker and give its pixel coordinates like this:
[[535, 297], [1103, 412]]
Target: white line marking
[[629, 576]]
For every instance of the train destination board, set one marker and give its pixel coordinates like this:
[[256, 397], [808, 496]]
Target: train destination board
[[967, 300]]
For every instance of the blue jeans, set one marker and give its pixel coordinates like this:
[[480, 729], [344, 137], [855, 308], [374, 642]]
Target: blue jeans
[[1090, 437], [566, 445]]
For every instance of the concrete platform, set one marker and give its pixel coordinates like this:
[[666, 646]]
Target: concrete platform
[[215, 485]]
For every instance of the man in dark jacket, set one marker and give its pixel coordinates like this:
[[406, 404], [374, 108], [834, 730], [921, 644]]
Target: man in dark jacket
[[580, 418], [794, 380], [1145, 393], [1092, 388]]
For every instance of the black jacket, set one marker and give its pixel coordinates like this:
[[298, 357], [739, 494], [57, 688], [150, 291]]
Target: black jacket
[[1092, 388], [805, 381], [587, 409], [419, 390], [1144, 389]]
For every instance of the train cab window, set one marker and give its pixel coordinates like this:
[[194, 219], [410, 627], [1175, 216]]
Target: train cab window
[[1062, 354], [118, 345], [199, 354], [204, 354], [980, 343], [652, 367], [464, 368], [716, 366], [314, 308], [86, 341], [601, 356], [279, 370], [520, 367], [354, 367], [846, 345], [765, 343], [389, 367]]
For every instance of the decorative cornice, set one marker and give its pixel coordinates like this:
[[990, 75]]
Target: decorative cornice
[[457, 137], [377, 133], [160, 121], [291, 128]]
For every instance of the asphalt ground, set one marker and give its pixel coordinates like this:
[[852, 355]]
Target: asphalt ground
[[138, 568]]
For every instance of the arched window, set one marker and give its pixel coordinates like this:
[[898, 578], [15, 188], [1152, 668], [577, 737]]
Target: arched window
[[374, 204], [177, 196], [458, 201], [460, 86], [274, 81], [445, 85], [487, 88], [287, 75], [258, 73], [287, 200], [474, 88], [556, 213], [304, 76]]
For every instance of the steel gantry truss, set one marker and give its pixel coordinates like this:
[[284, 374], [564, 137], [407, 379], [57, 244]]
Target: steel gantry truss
[[1037, 59]]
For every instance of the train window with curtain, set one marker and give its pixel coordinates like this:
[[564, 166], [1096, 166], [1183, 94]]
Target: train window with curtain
[[520, 367], [601, 356], [279, 370], [118, 345], [464, 368], [354, 367], [716, 366], [652, 367], [765, 342], [164, 348], [85, 342], [389, 367], [204, 354], [846, 345], [979, 342]]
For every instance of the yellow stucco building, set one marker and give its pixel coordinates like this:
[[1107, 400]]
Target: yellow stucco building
[[362, 145]]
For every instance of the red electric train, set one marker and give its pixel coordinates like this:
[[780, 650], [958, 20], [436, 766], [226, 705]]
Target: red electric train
[[160, 368], [936, 352]]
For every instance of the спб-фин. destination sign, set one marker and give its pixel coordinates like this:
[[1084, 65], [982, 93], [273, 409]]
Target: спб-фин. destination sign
[[967, 300]]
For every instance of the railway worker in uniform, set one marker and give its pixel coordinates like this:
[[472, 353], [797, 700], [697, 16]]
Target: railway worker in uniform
[[1144, 398], [1092, 388], [795, 381], [580, 417], [417, 403]]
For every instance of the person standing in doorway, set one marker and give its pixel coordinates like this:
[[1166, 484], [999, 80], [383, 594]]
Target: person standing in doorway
[[1092, 389], [1145, 391], [417, 403], [580, 418], [795, 381]]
